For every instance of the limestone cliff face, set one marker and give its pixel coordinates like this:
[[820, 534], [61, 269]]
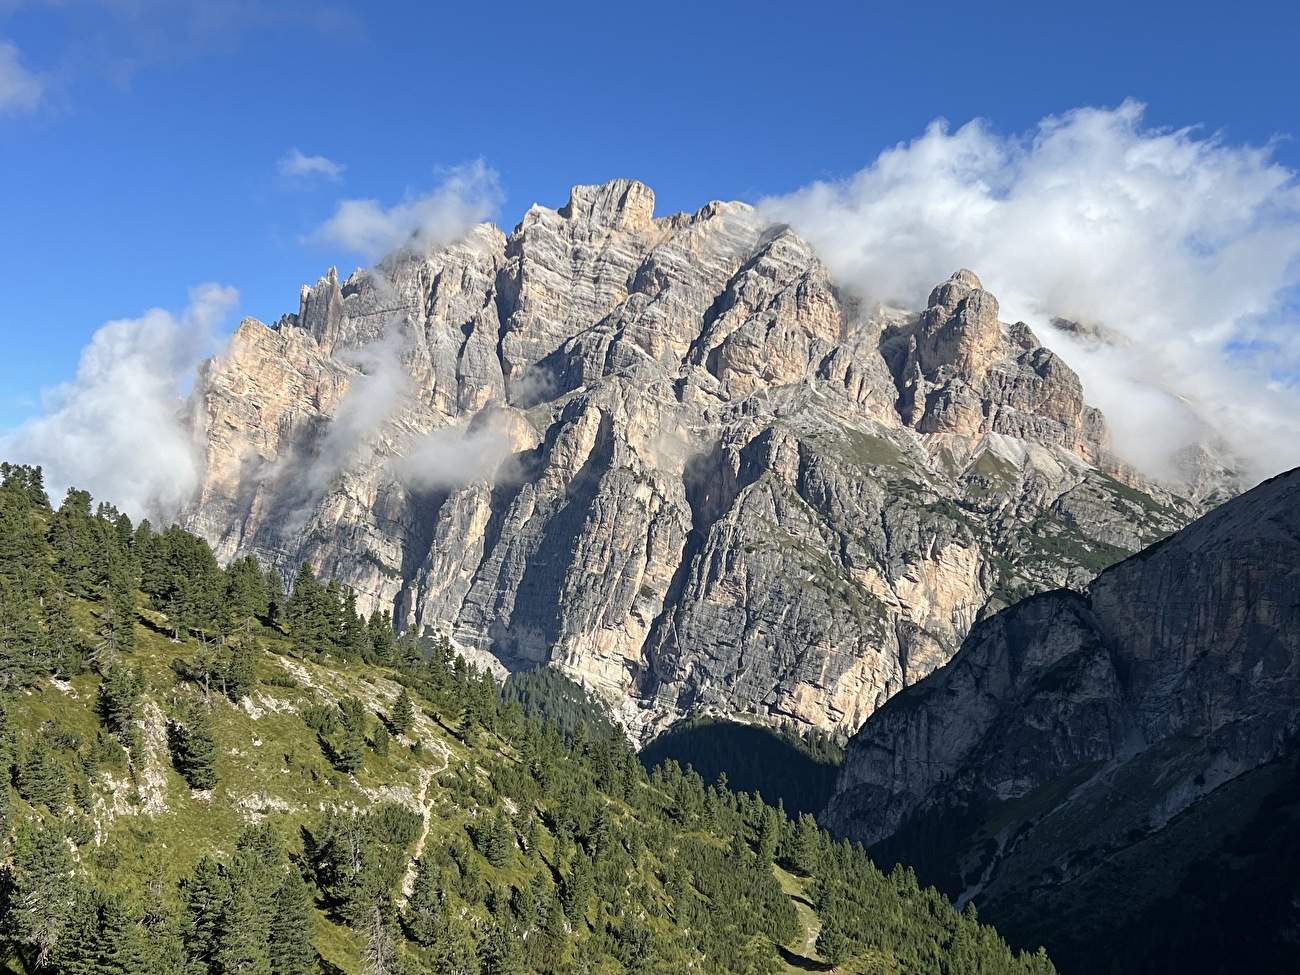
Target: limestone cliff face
[[1052, 755], [666, 455]]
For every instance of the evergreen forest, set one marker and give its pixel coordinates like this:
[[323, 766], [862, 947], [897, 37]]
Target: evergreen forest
[[230, 770]]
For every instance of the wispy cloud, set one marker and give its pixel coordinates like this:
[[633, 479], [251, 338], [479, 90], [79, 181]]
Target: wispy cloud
[[20, 90], [304, 169], [115, 39], [467, 196], [117, 428], [1186, 244]]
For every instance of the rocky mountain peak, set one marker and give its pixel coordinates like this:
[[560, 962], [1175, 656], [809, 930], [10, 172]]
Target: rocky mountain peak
[[709, 481], [623, 204]]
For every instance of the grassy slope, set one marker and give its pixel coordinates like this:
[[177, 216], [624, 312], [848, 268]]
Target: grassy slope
[[271, 767]]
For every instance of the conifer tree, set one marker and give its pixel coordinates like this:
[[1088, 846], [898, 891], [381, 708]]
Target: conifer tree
[[499, 952], [194, 748], [403, 715], [117, 628], [22, 644], [66, 651], [423, 917], [119, 700], [241, 669], [42, 777], [351, 753], [275, 597], [293, 928], [204, 895], [241, 948], [43, 890]]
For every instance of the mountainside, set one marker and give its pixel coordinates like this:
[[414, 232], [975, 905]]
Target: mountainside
[[1087, 762], [203, 773], [667, 456]]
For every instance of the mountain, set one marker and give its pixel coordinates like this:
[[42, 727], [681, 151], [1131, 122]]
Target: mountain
[[1117, 771], [203, 773], [666, 455]]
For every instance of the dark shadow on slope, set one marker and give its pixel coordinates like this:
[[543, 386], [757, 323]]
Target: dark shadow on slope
[[804, 964], [754, 758]]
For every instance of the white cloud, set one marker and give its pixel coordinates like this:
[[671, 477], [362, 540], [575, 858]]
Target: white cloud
[[469, 195], [1186, 244], [118, 428], [295, 166], [20, 90], [452, 457]]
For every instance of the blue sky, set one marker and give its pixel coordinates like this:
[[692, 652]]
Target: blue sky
[[142, 141]]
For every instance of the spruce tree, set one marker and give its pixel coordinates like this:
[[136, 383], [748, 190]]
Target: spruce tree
[[42, 777], [499, 952], [241, 669], [204, 895], [293, 927], [423, 917], [43, 890], [275, 598], [194, 748], [241, 947], [403, 715]]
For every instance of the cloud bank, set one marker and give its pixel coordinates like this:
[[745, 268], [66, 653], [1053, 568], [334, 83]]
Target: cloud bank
[[303, 169], [20, 90], [1185, 244], [117, 429], [469, 195]]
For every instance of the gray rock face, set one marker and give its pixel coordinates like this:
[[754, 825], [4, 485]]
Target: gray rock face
[[666, 455], [1071, 729]]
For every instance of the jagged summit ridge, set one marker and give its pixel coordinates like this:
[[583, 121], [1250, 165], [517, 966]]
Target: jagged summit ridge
[[667, 455]]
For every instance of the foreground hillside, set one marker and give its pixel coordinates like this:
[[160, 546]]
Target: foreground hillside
[[208, 774], [667, 455], [1115, 772]]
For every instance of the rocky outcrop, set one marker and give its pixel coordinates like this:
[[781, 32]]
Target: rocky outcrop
[[665, 454], [1073, 730]]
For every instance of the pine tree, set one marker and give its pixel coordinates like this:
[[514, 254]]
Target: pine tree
[[43, 890], [423, 918], [117, 627], [403, 715], [66, 651], [576, 891], [499, 950], [380, 953], [119, 699], [275, 598], [21, 641], [122, 948], [769, 835], [241, 948], [354, 641], [204, 895], [293, 928], [807, 839], [499, 842], [241, 670], [194, 748], [42, 777], [351, 753]]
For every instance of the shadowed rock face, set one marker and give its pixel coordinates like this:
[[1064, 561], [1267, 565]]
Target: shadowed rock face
[[666, 455], [1071, 732]]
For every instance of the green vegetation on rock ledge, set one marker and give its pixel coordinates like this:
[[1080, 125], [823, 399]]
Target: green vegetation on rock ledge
[[209, 773]]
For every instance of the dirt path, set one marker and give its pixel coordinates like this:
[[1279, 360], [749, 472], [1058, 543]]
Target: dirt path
[[426, 806]]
